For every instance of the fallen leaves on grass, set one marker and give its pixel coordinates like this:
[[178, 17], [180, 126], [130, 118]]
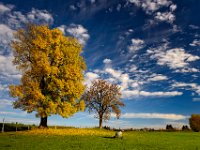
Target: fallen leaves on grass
[[70, 131]]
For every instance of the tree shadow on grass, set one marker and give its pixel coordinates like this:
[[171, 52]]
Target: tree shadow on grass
[[7, 145], [109, 137]]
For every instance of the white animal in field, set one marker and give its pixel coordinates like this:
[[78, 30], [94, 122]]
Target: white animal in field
[[118, 134]]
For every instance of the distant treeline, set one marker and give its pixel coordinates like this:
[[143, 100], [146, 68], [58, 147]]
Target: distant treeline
[[168, 128], [15, 127], [8, 127]]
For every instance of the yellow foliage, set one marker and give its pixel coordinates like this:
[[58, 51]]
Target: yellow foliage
[[52, 72], [70, 131]]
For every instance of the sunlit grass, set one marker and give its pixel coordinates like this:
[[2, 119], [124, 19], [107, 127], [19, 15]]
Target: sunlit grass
[[96, 139], [70, 131]]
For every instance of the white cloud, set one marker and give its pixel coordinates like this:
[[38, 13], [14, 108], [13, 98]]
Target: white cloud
[[17, 119], [13, 21], [165, 16], [7, 68], [90, 77], [192, 86], [150, 6], [136, 44], [6, 35], [173, 93], [193, 26], [79, 32], [16, 19], [121, 78], [5, 103], [133, 68], [176, 28], [107, 61], [5, 8], [119, 7], [175, 58], [125, 81], [173, 7], [92, 1], [158, 77], [196, 99], [185, 70], [115, 73], [111, 80], [3, 87], [62, 28], [195, 43], [129, 87], [72, 7], [40, 16], [131, 93], [8, 113], [154, 116]]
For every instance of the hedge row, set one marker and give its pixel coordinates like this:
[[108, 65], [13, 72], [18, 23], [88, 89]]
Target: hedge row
[[13, 127]]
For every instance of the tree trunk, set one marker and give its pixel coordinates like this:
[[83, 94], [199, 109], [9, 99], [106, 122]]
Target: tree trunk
[[100, 122], [43, 122]]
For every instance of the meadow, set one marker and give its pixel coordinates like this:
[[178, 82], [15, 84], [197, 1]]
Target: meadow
[[96, 139]]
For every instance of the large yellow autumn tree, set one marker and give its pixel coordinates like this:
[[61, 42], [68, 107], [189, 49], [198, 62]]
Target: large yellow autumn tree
[[52, 72]]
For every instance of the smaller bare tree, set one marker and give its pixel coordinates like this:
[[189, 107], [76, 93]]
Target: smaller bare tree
[[103, 98]]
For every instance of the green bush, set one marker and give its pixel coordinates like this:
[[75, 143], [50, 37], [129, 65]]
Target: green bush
[[185, 128], [195, 122], [169, 127]]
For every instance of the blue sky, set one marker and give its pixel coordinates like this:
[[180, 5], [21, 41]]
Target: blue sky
[[150, 48]]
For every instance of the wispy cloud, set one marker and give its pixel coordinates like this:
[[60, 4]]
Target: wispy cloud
[[196, 99], [5, 8], [77, 31], [165, 16], [191, 86], [194, 27], [5, 102], [153, 6], [132, 93], [19, 120], [158, 77], [90, 77], [107, 61], [136, 44], [195, 42], [175, 58], [129, 87], [154, 116], [150, 6], [40, 16], [12, 113], [7, 68], [11, 21]]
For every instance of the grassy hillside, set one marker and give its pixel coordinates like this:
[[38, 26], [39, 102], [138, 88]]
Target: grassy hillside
[[94, 139]]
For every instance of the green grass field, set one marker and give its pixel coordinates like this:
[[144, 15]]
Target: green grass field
[[94, 139]]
